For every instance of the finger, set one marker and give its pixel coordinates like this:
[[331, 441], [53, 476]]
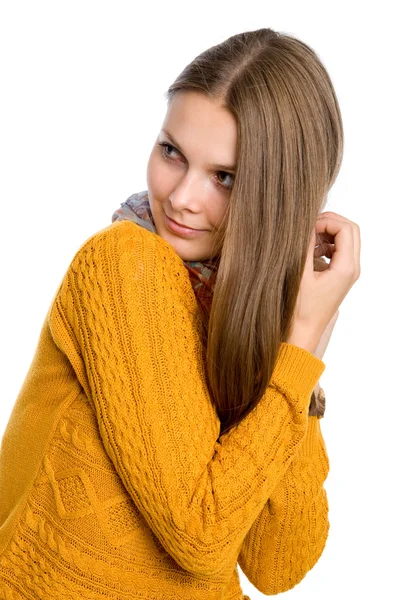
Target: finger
[[344, 250], [334, 215], [356, 236], [324, 249], [324, 238]]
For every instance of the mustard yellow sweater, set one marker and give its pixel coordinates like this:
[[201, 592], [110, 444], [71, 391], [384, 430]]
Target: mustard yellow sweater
[[115, 482]]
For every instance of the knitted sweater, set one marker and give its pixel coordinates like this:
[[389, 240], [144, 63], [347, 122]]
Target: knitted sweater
[[115, 482]]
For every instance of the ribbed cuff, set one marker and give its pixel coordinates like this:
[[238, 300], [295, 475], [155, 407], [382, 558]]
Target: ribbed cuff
[[296, 371]]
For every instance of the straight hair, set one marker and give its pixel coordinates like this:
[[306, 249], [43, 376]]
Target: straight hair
[[289, 152]]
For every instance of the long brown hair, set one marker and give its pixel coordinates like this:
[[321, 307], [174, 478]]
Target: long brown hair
[[289, 152]]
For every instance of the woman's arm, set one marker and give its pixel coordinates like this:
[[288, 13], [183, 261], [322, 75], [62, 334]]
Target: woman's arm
[[126, 317], [289, 535]]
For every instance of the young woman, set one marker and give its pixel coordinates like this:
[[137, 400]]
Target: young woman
[[165, 430]]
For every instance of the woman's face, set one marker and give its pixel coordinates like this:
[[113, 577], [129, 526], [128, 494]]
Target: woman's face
[[191, 171]]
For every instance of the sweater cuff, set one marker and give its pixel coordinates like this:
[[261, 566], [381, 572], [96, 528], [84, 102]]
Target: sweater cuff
[[296, 371]]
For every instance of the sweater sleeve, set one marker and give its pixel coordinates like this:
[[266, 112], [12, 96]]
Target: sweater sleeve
[[289, 536], [126, 316]]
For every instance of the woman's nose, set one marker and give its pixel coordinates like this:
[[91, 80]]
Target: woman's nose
[[186, 195]]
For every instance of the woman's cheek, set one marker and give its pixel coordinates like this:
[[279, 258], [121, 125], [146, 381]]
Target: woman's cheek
[[159, 176]]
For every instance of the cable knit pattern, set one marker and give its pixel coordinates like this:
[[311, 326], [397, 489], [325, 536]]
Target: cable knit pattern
[[116, 482]]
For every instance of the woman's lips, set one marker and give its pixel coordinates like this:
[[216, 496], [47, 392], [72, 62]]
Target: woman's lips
[[180, 230]]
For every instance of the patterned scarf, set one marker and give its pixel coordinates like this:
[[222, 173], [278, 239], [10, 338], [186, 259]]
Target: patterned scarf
[[201, 273]]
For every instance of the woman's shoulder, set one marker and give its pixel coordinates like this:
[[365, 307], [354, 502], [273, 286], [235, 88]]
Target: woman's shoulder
[[127, 252], [122, 236], [118, 232]]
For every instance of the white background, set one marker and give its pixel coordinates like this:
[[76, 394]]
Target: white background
[[82, 87]]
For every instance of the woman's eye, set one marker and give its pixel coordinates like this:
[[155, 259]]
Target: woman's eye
[[164, 146], [166, 154], [225, 175]]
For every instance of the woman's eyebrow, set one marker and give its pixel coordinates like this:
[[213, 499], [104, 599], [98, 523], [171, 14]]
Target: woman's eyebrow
[[217, 167]]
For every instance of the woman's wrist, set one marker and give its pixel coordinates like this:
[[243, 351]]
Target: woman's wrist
[[305, 340]]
